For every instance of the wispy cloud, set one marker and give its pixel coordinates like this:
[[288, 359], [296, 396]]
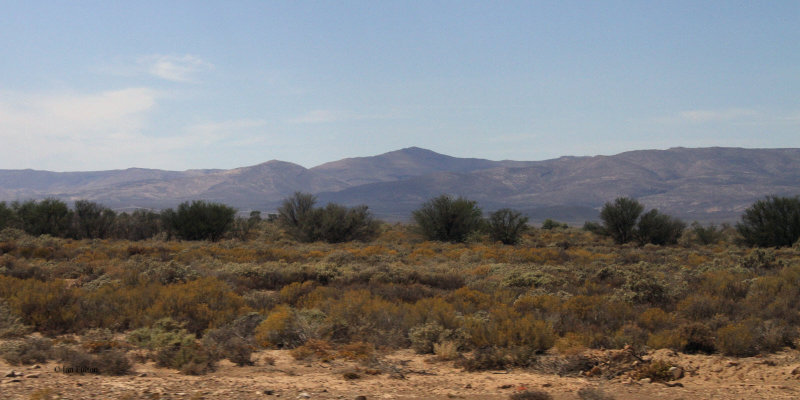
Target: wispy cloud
[[324, 116], [240, 131], [730, 114], [174, 68]]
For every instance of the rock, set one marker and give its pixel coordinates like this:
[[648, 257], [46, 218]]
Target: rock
[[303, 395], [673, 384], [12, 374], [16, 380], [468, 386], [361, 397], [269, 392], [676, 372], [796, 371], [645, 380], [37, 366], [34, 376], [142, 375]]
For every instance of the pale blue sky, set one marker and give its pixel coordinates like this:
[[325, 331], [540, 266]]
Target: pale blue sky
[[201, 84]]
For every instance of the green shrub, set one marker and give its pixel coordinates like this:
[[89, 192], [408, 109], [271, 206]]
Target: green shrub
[[660, 229], [448, 220], [200, 220], [507, 226], [619, 218], [334, 223], [771, 222]]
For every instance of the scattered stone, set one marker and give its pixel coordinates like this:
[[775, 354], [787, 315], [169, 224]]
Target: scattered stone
[[34, 376], [673, 384], [303, 395], [676, 372], [732, 363], [548, 384], [269, 392], [15, 380], [645, 380], [506, 386], [361, 397], [142, 375], [37, 366], [12, 374], [468, 386], [796, 371]]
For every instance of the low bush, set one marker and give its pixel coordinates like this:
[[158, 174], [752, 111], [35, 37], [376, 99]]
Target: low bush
[[31, 350]]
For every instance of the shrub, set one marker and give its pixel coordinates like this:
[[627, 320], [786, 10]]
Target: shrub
[[531, 395], [188, 356], [201, 220], [10, 324], [280, 329], [334, 223], [619, 218], [656, 228], [739, 340], [705, 235], [424, 337], [656, 371], [26, 351], [225, 343], [772, 222], [448, 220], [590, 393], [550, 224], [507, 226], [484, 358]]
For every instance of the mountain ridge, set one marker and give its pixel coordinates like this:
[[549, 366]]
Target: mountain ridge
[[706, 184]]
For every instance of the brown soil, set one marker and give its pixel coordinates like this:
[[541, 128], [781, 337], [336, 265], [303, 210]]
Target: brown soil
[[405, 375]]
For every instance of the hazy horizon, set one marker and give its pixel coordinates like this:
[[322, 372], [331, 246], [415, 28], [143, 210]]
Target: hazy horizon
[[219, 85]]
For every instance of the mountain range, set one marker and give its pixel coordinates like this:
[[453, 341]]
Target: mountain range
[[704, 184]]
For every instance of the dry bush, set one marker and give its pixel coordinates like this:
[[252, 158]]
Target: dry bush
[[26, 351], [531, 395]]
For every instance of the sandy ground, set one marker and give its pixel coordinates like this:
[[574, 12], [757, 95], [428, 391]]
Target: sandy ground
[[412, 376]]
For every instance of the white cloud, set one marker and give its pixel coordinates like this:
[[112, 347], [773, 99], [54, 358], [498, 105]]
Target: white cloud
[[174, 68]]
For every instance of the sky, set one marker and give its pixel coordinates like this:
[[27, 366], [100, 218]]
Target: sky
[[96, 85]]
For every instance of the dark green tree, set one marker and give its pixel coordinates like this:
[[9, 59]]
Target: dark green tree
[[200, 220], [619, 218], [657, 228], [46, 217], [771, 222], [448, 220], [91, 220], [507, 226], [8, 217], [138, 225]]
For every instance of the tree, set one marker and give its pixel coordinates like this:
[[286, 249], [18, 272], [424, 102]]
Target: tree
[[619, 218], [201, 220], [92, 220], [507, 226], [8, 217], [448, 220], [658, 228], [771, 222], [46, 217]]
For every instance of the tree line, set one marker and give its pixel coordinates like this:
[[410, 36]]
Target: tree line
[[770, 222]]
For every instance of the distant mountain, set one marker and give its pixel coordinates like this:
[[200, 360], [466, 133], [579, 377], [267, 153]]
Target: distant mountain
[[706, 184], [404, 164]]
